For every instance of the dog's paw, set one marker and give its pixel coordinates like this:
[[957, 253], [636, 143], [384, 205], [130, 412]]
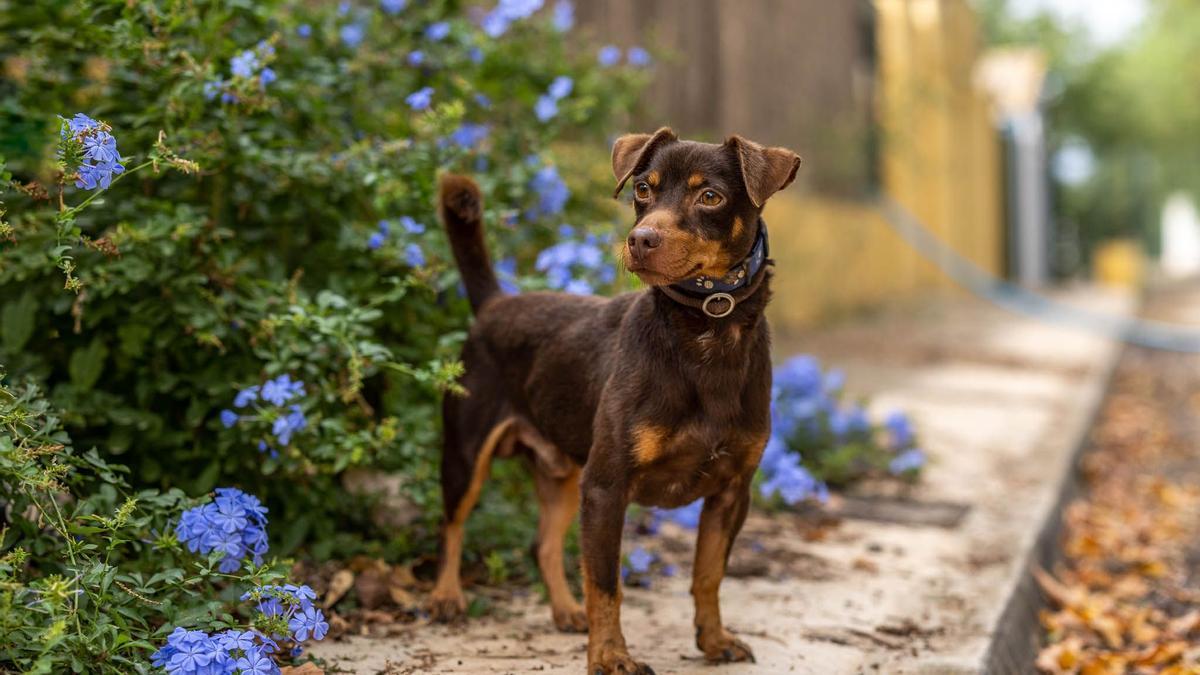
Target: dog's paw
[[723, 647], [446, 606], [616, 662], [571, 619]]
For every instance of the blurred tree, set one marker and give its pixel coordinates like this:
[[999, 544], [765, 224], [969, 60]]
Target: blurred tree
[[1135, 104]]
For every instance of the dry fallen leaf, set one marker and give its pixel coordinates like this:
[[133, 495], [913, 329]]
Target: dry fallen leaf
[[339, 584]]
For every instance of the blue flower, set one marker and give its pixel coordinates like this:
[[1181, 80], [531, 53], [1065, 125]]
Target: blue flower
[[640, 560], [564, 15], [286, 425], [256, 662], [798, 377], [309, 621], [228, 418], [483, 101], [420, 99], [411, 226], [79, 124], [566, 231], [281, 389], [267, 76], [352, 34], [436, 32], [376, 240], [560, 87], [638, 57], [909, 460], [579, 287], [475, 55], [551, 190], [343, 8], [506, 273], [791, 481], [101, 159], [608, 56], [414, 256], [684, 516], [393, 6], [546, 108], [304, 30], [212, 88], [899, 429], [469, 135], [244, 64], [246, 396], [416, 57]]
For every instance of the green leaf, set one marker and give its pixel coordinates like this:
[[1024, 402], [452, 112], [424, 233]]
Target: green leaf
[[17, 321], [87, 364]]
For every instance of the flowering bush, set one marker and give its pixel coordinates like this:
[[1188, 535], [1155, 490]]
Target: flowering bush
[[93, 576], [818, 437], [270, 214]]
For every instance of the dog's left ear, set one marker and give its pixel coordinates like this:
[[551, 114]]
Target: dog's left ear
[[764, 170], [633, 150]]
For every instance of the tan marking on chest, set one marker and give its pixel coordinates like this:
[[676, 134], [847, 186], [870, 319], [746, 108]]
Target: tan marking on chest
[[649, 443]]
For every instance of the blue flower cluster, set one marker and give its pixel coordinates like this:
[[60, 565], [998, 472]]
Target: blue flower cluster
[[551, 190], [785, 476], [807, 412], [286, 418], [575, 266], [246, 652], [414, 255], [292, 605], [546, 107], [420, 99], [497, 22], [806, 404], [901, 440], [610, 55], [99, 159], [233, 523], [194, 652], [249, 65]]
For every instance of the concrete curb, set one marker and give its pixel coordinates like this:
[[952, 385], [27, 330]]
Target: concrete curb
[[1015, 638]]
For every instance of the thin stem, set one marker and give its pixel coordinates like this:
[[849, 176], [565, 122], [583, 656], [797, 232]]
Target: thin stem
[[79, 207]]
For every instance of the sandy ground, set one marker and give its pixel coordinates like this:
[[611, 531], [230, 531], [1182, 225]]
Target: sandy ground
[[1000, 403]]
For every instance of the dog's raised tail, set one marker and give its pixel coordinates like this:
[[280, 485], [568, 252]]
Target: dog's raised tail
[[460, 205]]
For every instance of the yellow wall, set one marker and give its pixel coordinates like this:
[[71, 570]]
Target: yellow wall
[[940, 158]]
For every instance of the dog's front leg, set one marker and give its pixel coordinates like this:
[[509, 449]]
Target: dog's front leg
[[720, 522], [601, 520]]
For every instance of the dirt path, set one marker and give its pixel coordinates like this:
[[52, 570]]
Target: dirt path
[[908, 586]]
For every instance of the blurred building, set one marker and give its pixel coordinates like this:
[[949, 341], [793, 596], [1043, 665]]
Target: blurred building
[[878, 97]]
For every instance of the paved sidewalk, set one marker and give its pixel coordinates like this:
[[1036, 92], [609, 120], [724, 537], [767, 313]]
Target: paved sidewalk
[[1000, 403]]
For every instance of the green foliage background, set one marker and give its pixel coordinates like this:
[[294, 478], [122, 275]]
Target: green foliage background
[[142, 315]]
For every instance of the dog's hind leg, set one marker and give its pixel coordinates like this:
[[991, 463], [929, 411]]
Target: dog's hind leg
[[466, 462], [558, 501]]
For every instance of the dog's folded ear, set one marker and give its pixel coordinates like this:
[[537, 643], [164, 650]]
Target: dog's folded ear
[[764, 170], [632, 151]]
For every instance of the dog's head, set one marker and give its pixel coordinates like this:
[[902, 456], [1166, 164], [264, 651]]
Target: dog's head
[[697, 204]]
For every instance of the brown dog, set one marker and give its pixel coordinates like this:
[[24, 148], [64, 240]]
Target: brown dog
[[658, 397]]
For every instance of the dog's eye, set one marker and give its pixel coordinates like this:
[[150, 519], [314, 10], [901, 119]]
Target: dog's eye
[[642, 190], [710, 198]]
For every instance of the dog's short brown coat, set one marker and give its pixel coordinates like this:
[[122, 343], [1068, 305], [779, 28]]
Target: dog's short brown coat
[[636, 398]]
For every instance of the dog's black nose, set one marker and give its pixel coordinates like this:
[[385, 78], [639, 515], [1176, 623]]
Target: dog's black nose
[[642, 240]]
